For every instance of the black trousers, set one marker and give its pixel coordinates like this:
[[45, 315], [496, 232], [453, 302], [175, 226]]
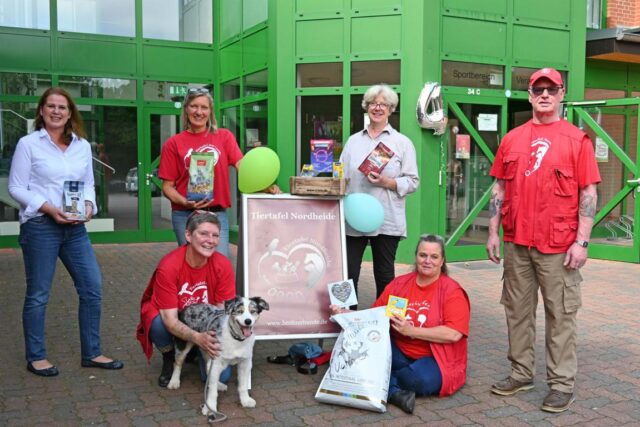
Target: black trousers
[[383, 249]]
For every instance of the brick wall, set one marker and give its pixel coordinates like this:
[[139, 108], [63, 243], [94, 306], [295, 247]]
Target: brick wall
[[623, 13]]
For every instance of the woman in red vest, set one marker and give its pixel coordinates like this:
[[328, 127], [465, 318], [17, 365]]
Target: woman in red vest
[[429, 344]]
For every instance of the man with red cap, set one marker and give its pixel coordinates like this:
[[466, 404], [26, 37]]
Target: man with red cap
[[545, 198]]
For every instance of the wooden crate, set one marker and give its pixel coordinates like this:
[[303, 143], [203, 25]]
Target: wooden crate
[[316, 186]]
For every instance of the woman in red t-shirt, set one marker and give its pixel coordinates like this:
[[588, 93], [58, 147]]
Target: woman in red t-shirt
[[191, 274], [200, 134], [429, 344]]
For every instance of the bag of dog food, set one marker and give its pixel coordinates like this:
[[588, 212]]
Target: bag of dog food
[[200, 185], [358, 375], [73, 200]]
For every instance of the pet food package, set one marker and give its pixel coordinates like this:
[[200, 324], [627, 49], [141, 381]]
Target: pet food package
[[73, 200], [376, 160], [396, 306], [322, 155], [307, 170], [338, 170], [200, 185], [360, 367]]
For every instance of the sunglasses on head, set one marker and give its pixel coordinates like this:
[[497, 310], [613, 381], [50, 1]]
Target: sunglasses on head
[[431, 237], [552, 90], [201, 212], [198, 90]]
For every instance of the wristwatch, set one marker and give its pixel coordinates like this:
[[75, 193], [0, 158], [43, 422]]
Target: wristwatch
[[582, 243]]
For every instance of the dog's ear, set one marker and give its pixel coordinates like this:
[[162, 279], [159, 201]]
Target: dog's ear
[[231, 304], [260, 303]]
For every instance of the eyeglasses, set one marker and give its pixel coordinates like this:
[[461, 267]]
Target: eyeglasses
[[552, 90], [380, 105], [198, 90]]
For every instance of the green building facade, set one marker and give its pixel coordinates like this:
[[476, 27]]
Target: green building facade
[[284, 72]]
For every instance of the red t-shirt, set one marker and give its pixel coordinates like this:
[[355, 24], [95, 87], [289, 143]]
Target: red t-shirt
[[455, 313], [175, 284], [178, 285], [176, 158]]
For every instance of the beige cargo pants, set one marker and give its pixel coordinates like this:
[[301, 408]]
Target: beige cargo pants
[[526, 270]]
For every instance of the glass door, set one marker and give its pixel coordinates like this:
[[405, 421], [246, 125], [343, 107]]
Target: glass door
[[469, 147], [159, 125], [612, 125]]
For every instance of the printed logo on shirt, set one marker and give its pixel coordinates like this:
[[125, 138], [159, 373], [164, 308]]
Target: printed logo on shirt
[[417, 313], [539, 148], [193, 294], [207, 148]]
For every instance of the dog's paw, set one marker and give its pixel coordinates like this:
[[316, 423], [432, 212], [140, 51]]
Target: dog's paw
[[222, 386], [206, 411], [248, 402], [173, 385]]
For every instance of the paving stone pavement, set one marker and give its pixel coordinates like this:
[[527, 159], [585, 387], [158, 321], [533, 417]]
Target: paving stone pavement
[[608, 384]]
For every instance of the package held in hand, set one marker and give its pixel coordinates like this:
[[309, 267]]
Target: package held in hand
[[200, 185], [376, 160], [73, 200], [358, 375]]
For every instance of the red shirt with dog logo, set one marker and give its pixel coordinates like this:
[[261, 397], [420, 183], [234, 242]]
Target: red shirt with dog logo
[[543, 167], [421, 300], [176, 158], [449, 306], [175, 284]]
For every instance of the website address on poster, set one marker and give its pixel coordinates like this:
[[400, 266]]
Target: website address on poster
[[297, 322]]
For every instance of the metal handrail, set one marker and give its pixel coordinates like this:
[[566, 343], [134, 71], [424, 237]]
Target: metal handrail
[[104, 164]]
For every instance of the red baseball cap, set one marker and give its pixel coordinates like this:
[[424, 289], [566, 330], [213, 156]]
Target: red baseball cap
[[549, 73]]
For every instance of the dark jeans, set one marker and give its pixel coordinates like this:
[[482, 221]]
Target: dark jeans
[[383, 249], [43, 241], [422, 376]]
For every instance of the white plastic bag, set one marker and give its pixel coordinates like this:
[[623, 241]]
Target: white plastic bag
[[360, 362]]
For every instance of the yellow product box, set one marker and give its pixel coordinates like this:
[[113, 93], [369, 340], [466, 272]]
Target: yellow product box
[[397, 305], [338, 170]]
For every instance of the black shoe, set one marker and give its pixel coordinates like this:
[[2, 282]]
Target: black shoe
[[46, 372], [404, 399], [281, 360], [114, 364], [168, 360]]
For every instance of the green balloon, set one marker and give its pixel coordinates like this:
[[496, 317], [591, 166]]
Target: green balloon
[[258, 170]]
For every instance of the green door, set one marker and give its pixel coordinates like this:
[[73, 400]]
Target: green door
[[155, 212], [612, 125], [468, 149]]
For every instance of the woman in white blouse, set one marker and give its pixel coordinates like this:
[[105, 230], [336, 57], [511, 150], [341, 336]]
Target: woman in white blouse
[[56, 152]]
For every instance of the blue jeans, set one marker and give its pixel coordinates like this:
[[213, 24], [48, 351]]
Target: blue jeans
[[179, 221], [419, 375], [43, 241], [163, 340]]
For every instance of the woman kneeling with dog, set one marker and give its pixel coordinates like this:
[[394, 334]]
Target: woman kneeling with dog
[[191, 274], [428, 344]]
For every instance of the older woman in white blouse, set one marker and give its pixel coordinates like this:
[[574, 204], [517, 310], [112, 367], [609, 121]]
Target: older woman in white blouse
[[398, 179]]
